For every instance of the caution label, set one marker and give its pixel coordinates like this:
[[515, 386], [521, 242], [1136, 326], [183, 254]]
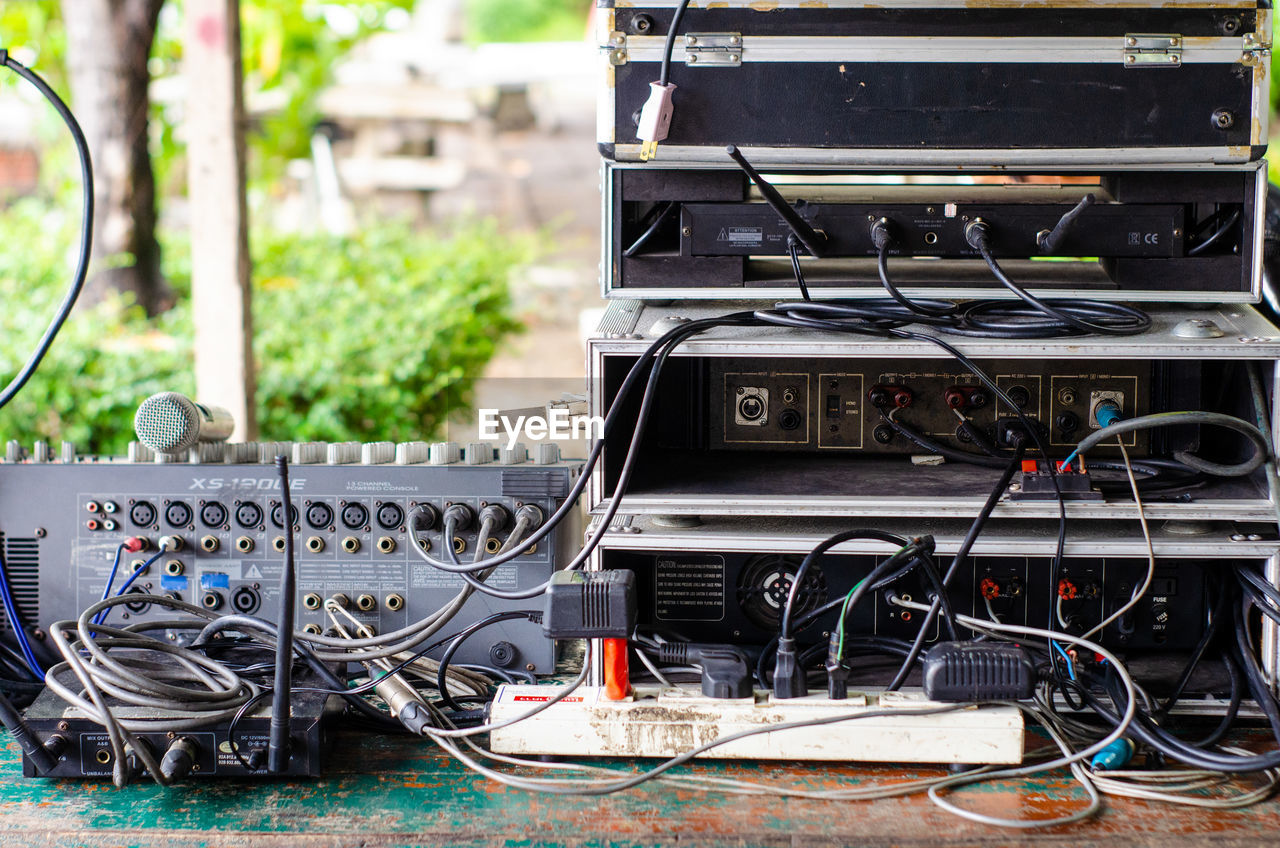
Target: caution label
[[689, 587]]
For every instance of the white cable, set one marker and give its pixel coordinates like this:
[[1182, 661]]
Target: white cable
[[652, 668], [1126, 719], [1151, 553]]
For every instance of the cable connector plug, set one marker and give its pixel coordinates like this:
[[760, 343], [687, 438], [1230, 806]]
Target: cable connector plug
[[725, 674], [655, 119], [881, 233], [837, 670], [978, 234], [788, 677], [404, 702]]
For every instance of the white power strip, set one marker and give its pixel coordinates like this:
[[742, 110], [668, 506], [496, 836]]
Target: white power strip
[[656, 722]]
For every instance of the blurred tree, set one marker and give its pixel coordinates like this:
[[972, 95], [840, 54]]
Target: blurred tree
[[526, 20], [108, 47]]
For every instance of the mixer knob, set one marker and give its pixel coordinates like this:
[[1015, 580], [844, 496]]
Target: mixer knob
[[377, 453], [444, 453], [412, 453]]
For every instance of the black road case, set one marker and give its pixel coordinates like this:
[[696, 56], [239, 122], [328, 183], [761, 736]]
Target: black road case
[[1015, 82]]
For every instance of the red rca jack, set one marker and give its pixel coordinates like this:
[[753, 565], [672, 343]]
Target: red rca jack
[[1067, 590], [92, 524], [961, 398]]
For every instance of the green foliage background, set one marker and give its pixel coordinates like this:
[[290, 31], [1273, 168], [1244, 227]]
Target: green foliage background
[[377, 335], [526, 20]]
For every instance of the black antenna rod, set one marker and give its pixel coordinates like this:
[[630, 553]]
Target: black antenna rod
[[41, 757], [813, 241], [278, 741]]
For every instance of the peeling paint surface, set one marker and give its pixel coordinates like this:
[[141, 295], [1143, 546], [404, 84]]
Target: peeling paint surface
[[384, 791]]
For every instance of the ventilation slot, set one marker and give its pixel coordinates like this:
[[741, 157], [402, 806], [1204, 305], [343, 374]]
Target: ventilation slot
[[22, 567]]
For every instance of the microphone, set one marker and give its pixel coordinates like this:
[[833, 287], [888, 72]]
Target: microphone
[[169, 422]]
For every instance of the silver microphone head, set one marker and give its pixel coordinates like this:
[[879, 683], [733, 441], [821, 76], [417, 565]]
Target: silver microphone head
[[170, 422]]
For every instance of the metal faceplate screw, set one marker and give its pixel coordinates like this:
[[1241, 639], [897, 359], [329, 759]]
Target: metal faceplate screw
[[691, 40], [1223, 119], [1131, 41], [1238, 537], [1015, 487]]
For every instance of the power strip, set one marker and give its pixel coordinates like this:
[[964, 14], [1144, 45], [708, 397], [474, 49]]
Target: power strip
[[661, 722]]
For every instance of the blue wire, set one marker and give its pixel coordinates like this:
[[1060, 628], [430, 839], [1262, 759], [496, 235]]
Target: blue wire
[[1106, 415], [111, 578], [124, 587], [11, 609], [1071, 670]]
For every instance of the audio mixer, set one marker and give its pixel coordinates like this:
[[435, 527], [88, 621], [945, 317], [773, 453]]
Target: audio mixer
[[214, 534]]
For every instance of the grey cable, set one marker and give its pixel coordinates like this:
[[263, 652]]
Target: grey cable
[[1170, 419]]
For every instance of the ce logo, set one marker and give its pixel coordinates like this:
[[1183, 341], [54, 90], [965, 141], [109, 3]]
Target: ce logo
[[1151, 238]]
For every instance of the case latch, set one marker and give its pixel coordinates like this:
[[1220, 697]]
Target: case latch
[[1153, 51], [714, 49]]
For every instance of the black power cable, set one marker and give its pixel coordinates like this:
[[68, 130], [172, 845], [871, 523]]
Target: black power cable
[[86, 229], [466, 633], [669, 46], [962, 553]]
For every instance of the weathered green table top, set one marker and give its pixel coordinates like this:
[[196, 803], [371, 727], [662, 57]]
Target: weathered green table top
[[383, 791]]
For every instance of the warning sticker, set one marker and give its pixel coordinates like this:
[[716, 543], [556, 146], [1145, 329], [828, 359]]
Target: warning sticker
[[689, 587], [741, 235]]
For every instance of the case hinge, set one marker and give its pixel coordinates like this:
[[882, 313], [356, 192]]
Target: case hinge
[[616, 48], [1153, 51], [1257, 49], [715, 49]]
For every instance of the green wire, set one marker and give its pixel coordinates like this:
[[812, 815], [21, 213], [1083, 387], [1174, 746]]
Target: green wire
[[844, 610]]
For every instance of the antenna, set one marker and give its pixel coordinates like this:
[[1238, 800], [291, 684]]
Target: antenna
[[813, 241], [41, 757], [278, 741]]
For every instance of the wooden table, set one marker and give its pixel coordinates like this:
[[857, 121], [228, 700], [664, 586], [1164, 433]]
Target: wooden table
[[384, 791]]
